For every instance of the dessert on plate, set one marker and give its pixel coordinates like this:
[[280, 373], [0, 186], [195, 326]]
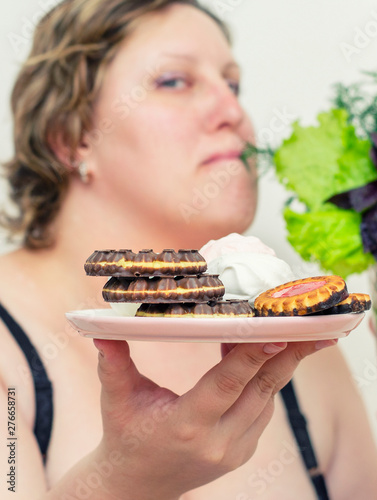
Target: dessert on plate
[[144, 263], [234, 276], [245, 265]]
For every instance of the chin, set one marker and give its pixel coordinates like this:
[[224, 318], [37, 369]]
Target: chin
[[236, 224], [198, 232], [232, 211], [233, 214], [212, 225]]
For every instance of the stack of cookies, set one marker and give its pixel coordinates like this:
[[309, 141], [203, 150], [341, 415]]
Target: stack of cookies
[[167, 284]]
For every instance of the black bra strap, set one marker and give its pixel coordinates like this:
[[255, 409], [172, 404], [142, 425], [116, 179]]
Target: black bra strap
[[299, 427], [42, 384]]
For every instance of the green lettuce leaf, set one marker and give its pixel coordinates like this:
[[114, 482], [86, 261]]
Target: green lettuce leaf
[[329, 236], [318, 162]]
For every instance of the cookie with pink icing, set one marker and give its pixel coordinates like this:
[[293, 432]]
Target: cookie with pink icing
[[301, 297]]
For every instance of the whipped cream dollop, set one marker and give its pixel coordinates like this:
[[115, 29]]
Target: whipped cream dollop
[[245, 265]]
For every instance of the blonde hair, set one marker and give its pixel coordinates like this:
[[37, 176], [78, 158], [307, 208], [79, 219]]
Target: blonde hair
[[53, 99]]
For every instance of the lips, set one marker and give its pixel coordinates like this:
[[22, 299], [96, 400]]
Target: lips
[[226, 155]]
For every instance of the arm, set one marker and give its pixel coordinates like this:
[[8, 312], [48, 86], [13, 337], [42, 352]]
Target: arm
[[20, 458], [185, 441], [353, 468], [189, 440]]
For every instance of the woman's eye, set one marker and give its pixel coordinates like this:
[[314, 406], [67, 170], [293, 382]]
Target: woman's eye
[[173, 82], [234, 86]]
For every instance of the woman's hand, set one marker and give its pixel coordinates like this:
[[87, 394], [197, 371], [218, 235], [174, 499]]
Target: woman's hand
[[166, 444]]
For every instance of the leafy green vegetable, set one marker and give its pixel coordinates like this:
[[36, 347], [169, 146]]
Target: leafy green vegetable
[[359, 99], [330, 236], [334, 161], [318, 162]]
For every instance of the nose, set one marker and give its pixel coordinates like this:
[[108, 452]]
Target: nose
[[221, 108]]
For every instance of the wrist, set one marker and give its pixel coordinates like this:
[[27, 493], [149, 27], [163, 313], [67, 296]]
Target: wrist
[[121, 479]]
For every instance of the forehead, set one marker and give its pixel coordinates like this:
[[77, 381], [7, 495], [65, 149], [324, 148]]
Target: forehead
[[176, 29]]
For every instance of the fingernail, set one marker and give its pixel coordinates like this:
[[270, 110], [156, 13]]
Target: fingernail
[[321, 344], [274, 348]]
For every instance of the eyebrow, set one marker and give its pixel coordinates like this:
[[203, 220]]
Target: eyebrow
[[189, 57]]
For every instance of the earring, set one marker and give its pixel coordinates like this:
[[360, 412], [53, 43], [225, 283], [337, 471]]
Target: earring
[[84, 173]]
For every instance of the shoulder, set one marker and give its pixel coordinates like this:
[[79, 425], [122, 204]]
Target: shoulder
[[327, 364], [21, 457], [15, 372], [324, 378], [338, 423]]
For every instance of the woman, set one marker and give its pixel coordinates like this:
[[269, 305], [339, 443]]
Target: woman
[[123, 119]]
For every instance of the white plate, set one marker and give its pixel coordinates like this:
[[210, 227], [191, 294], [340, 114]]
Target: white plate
[[106, 324]]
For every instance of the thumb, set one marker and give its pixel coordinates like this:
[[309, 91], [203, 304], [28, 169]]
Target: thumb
[[117, 373]]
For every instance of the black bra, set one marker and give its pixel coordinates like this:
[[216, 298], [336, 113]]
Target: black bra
[[299, 427], [42, 384], [44, 407]]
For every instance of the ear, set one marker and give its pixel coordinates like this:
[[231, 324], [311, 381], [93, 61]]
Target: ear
[[60, 149], [65, 154], [84, 149]]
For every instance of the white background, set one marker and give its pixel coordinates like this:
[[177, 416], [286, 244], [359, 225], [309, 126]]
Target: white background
[[291, 51]]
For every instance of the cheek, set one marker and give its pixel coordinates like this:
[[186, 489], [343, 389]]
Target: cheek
[[148, 160], [146, 134], [171, 131]]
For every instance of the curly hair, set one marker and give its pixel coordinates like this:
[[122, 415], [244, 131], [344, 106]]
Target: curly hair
[[53, 98]]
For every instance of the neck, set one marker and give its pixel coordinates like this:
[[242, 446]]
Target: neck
[[86, 223], [84, 226]]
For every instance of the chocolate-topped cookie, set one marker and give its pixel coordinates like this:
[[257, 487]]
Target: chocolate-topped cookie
[[126, 263], [354, 303], [220, 309], [198, 288]]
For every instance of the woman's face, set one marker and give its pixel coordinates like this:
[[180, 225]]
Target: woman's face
[[169, 130]]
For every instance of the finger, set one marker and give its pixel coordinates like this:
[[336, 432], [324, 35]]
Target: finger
[[225, 348], [284, 367], [221, 386], [246, 443], [272, 377], [116, 370], [244, 446], [254, 432]]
